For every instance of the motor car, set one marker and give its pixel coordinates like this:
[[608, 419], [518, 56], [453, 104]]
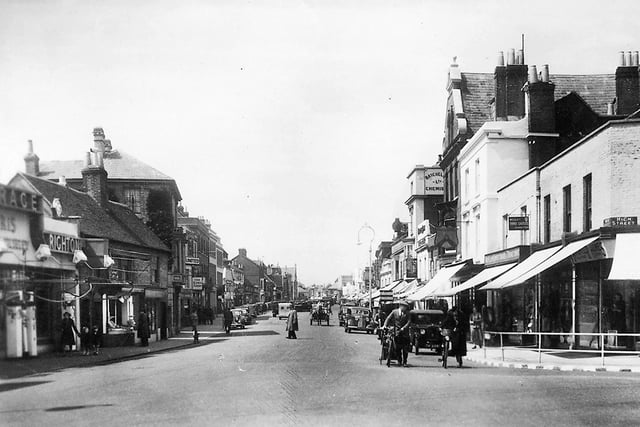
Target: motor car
[[359, 319], [343, 311], [283, 309], [239, 319], [425, 330], [303, 306]]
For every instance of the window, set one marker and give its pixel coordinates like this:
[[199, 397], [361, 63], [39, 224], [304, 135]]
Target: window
[[476, 255], [587, 197], [133, 199], [566, 203], [523, 233], [466, 184], [547, 218], [505, 231], [477, 176]]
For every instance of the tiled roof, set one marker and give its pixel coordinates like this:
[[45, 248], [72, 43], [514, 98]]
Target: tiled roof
[[118, 164], [116, 222], [478, 89]]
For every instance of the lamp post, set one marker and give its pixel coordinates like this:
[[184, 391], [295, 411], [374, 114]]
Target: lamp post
[[373, 235]]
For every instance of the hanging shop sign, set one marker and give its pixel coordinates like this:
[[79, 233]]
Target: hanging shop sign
[[197, 282], [433, 182], [192, 260], [62, 243], [518, 223], [621, 221], [21, 200]]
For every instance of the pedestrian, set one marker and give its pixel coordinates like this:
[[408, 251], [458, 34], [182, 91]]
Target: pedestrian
[[85, 340], [96, 339], [228, 319], [476, 328], [292, 324], [455, 322], [68, 328], [143, 328], [194, 324], [400, 321]]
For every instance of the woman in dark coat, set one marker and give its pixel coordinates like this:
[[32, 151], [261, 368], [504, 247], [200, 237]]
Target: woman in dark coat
[[143, 328], [458, 324], [68, 329]]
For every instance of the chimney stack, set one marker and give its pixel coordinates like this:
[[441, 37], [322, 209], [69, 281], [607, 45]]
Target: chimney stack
[[509, 98], [627, 84], [98, 140], [94, 178], [31, 161], [541, 115]]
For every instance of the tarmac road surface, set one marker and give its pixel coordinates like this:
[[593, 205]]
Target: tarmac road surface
[[326, 377]]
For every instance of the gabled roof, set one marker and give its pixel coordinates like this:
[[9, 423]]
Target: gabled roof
[[115, 222], [478, 89], [118, 164]]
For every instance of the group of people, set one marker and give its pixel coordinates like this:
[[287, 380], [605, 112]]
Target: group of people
[[454, 329], [90, 337]]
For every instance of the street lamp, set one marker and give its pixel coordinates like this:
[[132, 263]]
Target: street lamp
[[373, 235]]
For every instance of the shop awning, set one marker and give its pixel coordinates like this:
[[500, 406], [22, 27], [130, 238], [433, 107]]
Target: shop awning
[[543, 260], [437, 283], [413, 285], [394, 285], [526, 265], [480, 278], [625, 261]]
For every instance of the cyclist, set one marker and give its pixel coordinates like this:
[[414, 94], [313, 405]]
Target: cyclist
[[456, 323], [400, 321]]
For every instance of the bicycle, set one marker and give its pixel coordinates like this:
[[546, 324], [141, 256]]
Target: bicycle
[[389, 349], [446, 340]]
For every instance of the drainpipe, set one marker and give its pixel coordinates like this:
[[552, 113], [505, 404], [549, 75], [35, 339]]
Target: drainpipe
[[538, 296]]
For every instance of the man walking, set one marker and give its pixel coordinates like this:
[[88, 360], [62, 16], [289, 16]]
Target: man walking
[[292, 324], [400, 321]]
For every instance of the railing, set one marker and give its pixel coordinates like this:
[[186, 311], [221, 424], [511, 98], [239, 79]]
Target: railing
[[602, 350]]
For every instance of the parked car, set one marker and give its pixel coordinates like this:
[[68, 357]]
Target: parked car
[[283, 309], [302, 306], [359, 319], [342, 312], [425, 330]]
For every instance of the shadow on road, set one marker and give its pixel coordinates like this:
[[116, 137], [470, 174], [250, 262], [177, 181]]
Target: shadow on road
[[15, 386]]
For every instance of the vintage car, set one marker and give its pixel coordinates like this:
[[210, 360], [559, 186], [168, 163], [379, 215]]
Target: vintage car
[[239, 318], [359, 319], [283, 309], [342, 312], [425, 330]]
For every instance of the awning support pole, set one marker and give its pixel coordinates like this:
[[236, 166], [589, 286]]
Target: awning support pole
[[572, 344]]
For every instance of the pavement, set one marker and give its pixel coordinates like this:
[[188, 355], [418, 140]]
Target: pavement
[[52, 362], [558, 360]]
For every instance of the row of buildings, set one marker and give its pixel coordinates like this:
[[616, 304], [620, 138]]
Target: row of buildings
[[530, 214], [105, 239]]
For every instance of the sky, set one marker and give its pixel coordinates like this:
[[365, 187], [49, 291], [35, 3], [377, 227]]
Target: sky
[[288, 124]]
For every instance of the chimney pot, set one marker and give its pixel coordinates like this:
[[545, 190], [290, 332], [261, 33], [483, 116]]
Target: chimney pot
[[520, 57], [635, 59], [533, 74], [545, 73], [31, 161], [609, 108], [621, 61], [98, 139], [30, 146], [500, 58], [627, 58], [511, 57], [87, 159]]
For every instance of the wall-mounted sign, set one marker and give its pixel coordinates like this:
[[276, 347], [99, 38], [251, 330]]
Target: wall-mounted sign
[[621, 221], [518, 223], [17, 199], [176, 278], [433, 182], [192, 260], [62, 243]]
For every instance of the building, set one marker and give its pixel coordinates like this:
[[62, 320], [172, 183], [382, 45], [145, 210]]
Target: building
[[126, 268], [150, 194], [197, 289], [37, 271], [254, 277]]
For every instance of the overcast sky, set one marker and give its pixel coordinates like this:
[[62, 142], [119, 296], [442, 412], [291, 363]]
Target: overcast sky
[[289, 124]]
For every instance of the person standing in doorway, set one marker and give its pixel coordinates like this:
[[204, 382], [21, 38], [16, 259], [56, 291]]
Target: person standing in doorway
[[68, 329], [292, 324], [143, 328]]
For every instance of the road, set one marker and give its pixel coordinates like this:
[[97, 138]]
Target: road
[[326, 377]]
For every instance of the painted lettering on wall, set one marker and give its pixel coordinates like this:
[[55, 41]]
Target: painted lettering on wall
[[62, 243], [14, 198]]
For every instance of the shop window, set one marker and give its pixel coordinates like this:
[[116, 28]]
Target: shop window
[[566, 209], [547, 218], [587, 198]]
